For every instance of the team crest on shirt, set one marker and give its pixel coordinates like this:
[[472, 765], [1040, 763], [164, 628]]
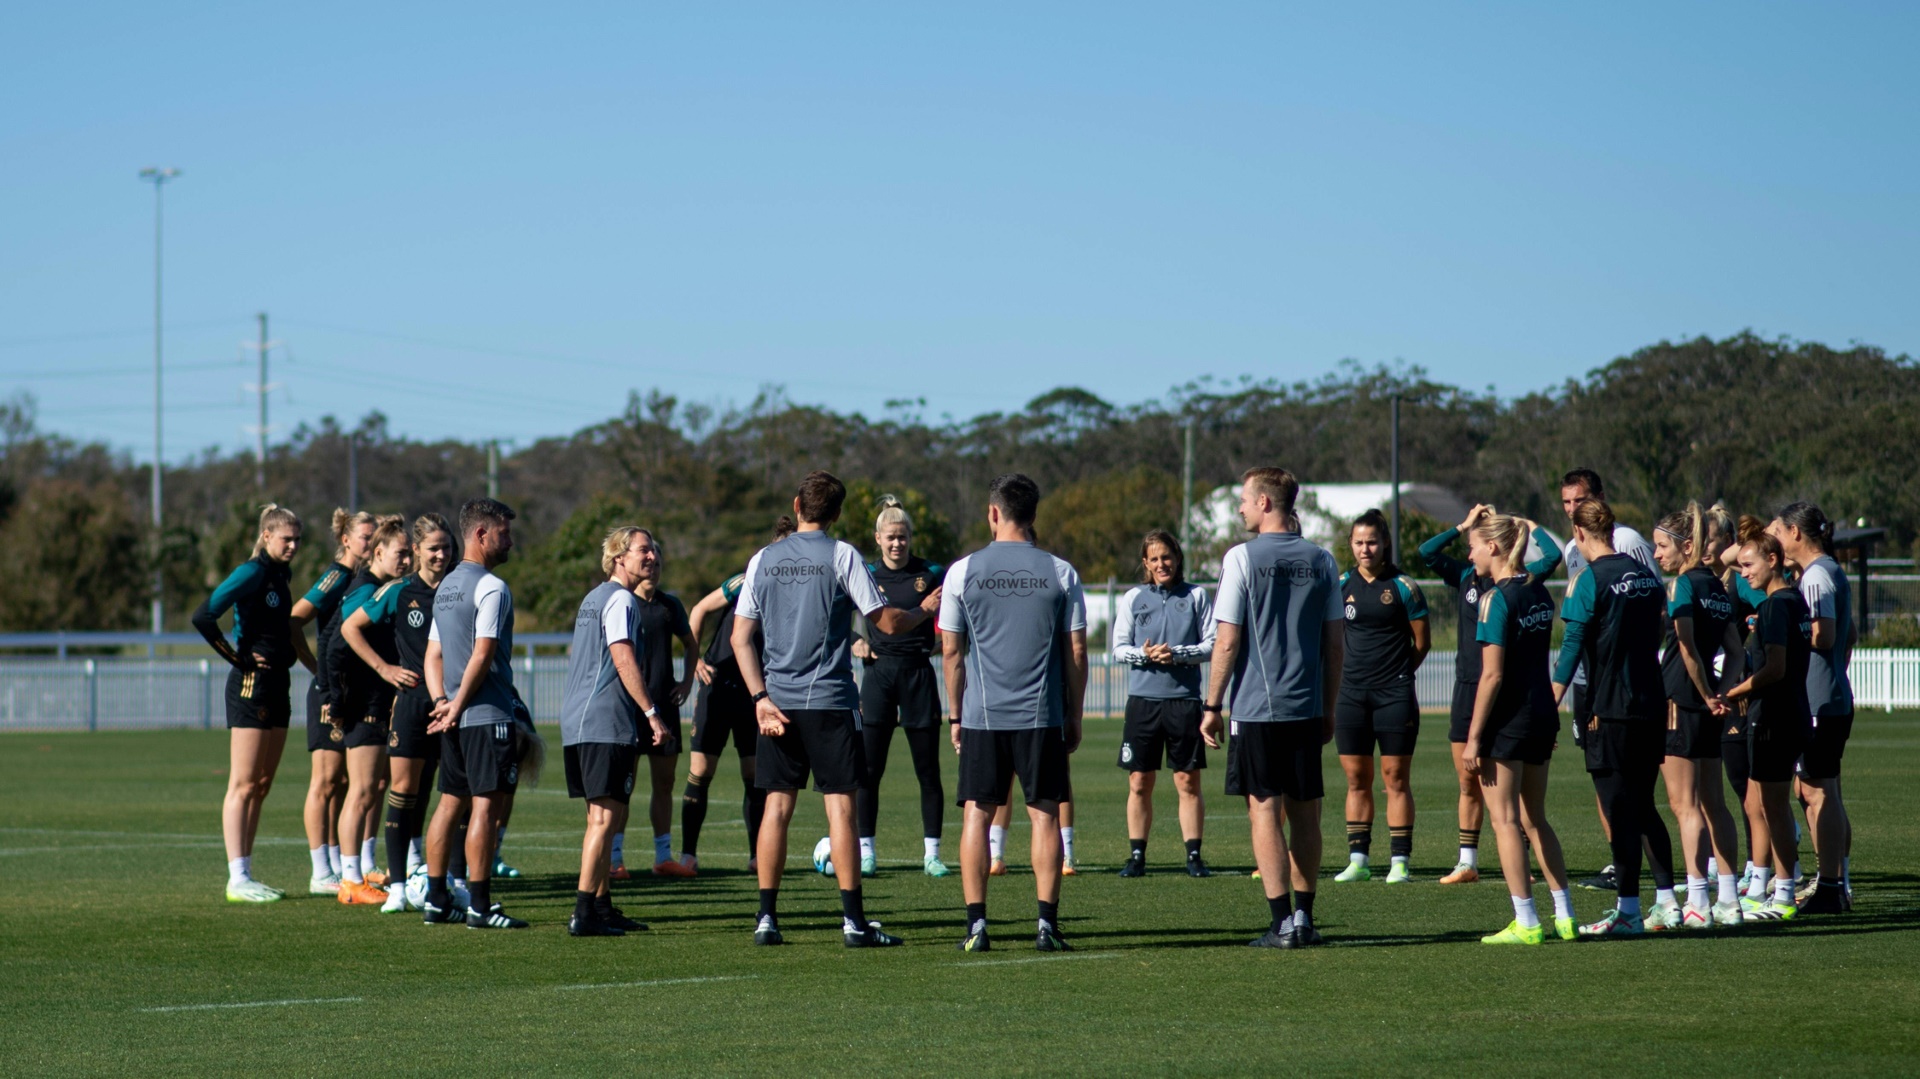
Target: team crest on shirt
[[1352, 612], [273, 599], [1472, 596], [919, 584], [416, 618], [1386, 595]]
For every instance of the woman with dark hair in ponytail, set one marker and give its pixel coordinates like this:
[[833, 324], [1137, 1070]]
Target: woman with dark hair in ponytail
[[1387, 639], [1806, 536], [1700, 629], [326, 742], [259, 709], [362, 704]]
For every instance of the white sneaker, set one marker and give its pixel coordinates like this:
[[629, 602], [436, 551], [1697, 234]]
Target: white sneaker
[[1664, 917], [396, 900], [327, 885], [251, 891]]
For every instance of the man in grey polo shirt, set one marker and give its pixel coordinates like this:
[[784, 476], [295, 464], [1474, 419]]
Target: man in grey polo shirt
[[469, 670], [1280, 639], [600, 711], [1014, 697], [791, 635]]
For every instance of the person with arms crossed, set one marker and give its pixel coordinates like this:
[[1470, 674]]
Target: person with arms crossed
[[1279, 643], [799, 597], [1163, 632], [600, 711], [259, 705], [468, 662], [1013, 621], [1468, 586]]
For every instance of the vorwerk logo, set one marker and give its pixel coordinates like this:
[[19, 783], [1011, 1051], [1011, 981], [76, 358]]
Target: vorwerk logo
[[1634, 585], [1719, 606], [1008, 582], [793, 571], [1538, 617], [1289, 570]]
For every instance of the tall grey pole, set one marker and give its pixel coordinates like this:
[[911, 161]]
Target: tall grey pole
[[158, 177], [1396, 477], [353, 472], [260, 434], [1186, 492], [493, 468]]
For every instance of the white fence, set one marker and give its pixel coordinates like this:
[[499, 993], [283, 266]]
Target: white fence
[[137, 693]]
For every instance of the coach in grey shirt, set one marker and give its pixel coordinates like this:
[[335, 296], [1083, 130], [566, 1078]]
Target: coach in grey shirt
[[1015, 644], [799, 597], [1280, 636]]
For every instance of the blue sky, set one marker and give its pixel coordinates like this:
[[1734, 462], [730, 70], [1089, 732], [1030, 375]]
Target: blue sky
[[493, 221]]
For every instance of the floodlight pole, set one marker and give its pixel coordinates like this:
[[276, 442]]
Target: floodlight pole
[[158, 177]]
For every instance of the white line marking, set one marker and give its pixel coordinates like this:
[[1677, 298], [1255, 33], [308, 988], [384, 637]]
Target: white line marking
[[1039, 959], [251, 1004], [659, 981]]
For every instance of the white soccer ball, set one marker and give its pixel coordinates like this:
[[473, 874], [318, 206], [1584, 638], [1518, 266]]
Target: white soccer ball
[[416, 887], [823, 856]]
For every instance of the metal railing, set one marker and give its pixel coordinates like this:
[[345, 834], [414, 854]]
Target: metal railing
[[91, 694]]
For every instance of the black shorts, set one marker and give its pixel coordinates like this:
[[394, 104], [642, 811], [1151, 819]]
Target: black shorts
[[258, 699], [900, 690], [1577, 694], [1154, 726], [364, 713], [1460, 717], [989, 761], [1821, 759], [669, 718], [320, 733], [1389, 716], [407, 733], [1267, 760], [1632, 745], [1524, 740], [479, 760], [1774, 748], [1692, 734], [597, 770], [823, 741], [725, 710]]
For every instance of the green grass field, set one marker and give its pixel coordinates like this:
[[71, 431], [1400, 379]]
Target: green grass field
[[122, 958]]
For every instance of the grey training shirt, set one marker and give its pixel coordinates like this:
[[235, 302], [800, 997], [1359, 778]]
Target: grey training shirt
[[595, 706], [1015, 603], [473, 603], [804, 591], [1281, 589], [1823, 584], [1179, 617]]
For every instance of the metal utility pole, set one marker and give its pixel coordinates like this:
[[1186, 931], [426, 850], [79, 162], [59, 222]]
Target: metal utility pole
[[260, 432], [493, 468], [1395, 468], [1186, 492], [158, 177], [353, 472]]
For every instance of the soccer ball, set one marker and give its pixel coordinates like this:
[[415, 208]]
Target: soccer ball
[[416, 887], [823, 856]]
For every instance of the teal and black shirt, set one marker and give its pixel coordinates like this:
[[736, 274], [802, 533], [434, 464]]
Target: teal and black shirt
[[1379, 636], [261, 600], [905, 587], [1517, 615], [1469, 586], [1696, 594], [328, 590], [377, 598], [1615, 615]]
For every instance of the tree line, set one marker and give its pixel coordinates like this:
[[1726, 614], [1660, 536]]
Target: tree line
[[1751, 421]]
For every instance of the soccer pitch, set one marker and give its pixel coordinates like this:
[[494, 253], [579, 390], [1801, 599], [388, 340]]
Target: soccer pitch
[[122, 957]]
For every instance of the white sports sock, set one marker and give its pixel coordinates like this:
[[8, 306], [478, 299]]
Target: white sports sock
[[1783, 890], [333, 857], [933, 847], [1470, 856], [663, 848], [320, 866], [866, 847], [1713, 866], [1562, 904], [997, 842], [619, 848], [350, 869], [1354, 857], [1629, 905], [237, 871], [1729, 888], [1664, 897], [1066, 843], [367, 852], [1524, 912], [1757, 884], [1748, 871], [1400, 860], [416, 854], [1697, 892]]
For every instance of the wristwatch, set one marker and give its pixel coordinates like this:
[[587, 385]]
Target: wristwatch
[[653, 712], [758, 697], [1205, 708], [953, 719]]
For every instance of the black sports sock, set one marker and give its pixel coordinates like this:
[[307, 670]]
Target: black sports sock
[[769, 900], [583, 907], [1400, 841], [1281, 908], [480, 895], [1193, 849], [1139, 849], [853, 908], [399, 830], [1050, 913], [1359, 837], [1470, 838], [603, 905], [437, 892], [693, 813], [976, 913], [457, 860], [1304, 900]]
